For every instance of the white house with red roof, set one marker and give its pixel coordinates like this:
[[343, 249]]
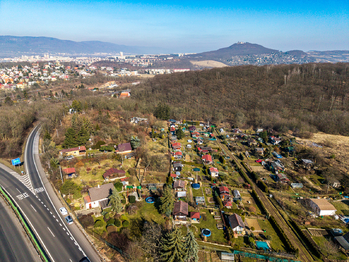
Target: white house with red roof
[[207, 159], [214, 171]]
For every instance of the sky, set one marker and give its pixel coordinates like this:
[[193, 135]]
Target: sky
[[184, 26]]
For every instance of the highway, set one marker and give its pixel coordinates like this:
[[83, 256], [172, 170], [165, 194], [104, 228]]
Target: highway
[[15, 246], [34, 196]]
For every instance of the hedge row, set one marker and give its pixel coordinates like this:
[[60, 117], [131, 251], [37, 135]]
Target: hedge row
[[259, 202], [262, 186], [282, 235], [247, 179], [256, 179], [305, 238]]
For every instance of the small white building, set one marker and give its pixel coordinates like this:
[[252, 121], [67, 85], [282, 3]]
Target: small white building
[[98, 196], [322, 207]]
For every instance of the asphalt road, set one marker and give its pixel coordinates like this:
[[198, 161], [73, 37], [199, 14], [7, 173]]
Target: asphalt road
[[59, 241], [15, 246]]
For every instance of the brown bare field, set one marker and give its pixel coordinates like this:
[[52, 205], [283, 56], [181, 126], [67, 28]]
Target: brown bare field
[[253, 223], [259, 169], [336, 145], [208, 63]]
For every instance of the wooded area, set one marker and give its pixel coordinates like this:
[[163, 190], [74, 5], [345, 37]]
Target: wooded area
[[301, 98]]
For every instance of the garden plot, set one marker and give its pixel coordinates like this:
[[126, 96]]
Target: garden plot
[[318, 232], [253, 223]]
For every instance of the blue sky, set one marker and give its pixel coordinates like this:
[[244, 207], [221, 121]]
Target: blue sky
[[184, 26]]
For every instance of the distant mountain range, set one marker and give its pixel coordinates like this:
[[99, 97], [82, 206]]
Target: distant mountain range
[[15, 45], [241, 53], [253, 54]]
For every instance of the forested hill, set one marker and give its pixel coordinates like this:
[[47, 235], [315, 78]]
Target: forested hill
[[306, 97]]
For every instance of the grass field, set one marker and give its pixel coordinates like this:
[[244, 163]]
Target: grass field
[[217, 235], [276, 243]]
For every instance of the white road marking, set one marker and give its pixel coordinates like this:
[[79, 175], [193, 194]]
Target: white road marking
[[33, 207], [50, 231], [50, 212], [60, 224], [18, 190], [57, 220], [22, 196], [36, 151], [67, 233], [44, 205]]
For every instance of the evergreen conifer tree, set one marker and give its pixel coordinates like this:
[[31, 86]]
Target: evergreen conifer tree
[[191, 248], [115, 201], [173, 247], [166, 202], [135, 142], [179, 133], [70, 138], [82, 136]]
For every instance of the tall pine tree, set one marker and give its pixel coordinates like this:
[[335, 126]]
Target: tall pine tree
[[173, 247], [191, 248], [70, 138], [166, 202], [179, 133]]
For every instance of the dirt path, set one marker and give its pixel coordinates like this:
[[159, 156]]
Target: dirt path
[[312, 184]]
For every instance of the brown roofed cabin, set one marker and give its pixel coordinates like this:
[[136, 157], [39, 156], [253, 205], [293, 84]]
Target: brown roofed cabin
[[113, 173], [124, 148], [76, 151], [180, 210]]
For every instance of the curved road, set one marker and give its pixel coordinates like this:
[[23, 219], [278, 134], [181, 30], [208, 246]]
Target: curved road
[[39, 204]]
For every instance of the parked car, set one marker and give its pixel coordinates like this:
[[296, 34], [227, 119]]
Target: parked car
[[259, 160], [69, 220], [69, 157], [63, 211]]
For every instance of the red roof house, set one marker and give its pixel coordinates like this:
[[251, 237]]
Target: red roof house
[[207, 159], [113, 173], [195, 216], [214, 171], [70, 172], [176, 145]]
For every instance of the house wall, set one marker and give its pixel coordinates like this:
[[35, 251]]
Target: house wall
[[124, 152], [94, 204], [238, 229], [327, 212]]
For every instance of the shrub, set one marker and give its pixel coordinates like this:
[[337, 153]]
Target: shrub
[[132, 199], [98, 223], [98, 145], [125, 223], [117, 222], [123, 217], [118, 186], [110, 222], [86, 220], [252, 209]]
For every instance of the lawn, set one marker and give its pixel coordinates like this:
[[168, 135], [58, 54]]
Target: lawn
[[276, 243], [149, 213], [329, 248], [217, 235], [341, 206]]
